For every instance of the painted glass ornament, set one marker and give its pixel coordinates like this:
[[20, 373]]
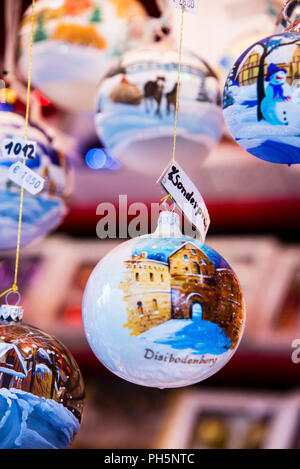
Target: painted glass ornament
[[44, 211], [136, 109], [74, 40], [163, 310], [262, 98], [41, 388]]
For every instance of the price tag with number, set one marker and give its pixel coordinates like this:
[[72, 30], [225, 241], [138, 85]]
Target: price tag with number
[[25, 177], [190, 6], [16, 147]]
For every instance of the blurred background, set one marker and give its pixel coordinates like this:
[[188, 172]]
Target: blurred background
[[254, 402]]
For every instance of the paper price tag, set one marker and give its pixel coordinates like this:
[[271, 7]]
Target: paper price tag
[[25, 177], [16, 147], [191, 6], [186, 196]]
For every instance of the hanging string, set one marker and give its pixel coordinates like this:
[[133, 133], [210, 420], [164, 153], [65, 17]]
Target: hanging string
[[178, 84], [15, 287], [177, 96]]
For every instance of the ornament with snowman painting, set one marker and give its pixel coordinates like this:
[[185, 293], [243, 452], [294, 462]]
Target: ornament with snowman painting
[[136, 108], [163, 310], [262, 99]]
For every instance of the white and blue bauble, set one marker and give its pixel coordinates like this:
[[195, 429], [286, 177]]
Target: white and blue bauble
[[44, 211], [163, 310], [137, 104], [74, 42]]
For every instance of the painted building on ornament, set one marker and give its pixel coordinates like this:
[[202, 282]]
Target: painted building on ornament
[[18, 371], [248, 73], [187, 286]]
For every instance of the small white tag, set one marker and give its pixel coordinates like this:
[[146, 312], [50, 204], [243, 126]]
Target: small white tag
[[17, 147], [191, 6], [24, 176], [186, 196]]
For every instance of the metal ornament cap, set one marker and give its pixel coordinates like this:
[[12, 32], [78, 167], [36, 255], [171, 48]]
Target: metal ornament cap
[[11, 313], [168, 225]]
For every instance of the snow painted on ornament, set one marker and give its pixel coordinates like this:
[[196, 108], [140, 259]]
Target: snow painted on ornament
[[163, 312], [262, 99], [39, 217], [136, 109], [43, 212], [41, 390]]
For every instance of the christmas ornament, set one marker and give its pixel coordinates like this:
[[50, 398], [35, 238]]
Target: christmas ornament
[[163, 310], [136, 109], [73, 43], [255, 20], [44, 211], [41, 388], [262, 98]]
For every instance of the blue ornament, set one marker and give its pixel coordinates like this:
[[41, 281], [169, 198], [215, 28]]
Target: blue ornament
[[44, 211], [163, 310], [261, 101]]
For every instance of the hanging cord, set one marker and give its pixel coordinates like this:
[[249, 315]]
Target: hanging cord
[[15, 287], [164, 199], [178, 85]]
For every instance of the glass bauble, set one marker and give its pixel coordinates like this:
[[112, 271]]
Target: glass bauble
[[288, 17], [262, 99], [136, 110], [163, 310], [44, 211], [74, 40], [41, 390]]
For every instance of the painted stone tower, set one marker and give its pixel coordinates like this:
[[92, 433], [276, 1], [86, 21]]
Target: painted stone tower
[[186, 286], [147, 293]]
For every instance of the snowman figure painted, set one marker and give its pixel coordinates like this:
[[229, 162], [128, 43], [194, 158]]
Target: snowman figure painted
[[276, 94]]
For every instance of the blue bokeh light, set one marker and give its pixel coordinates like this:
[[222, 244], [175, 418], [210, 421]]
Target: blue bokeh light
[[98, 158]]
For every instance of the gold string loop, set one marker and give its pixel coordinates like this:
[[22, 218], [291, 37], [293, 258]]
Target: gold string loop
[[165, 198], [15, 287], [178, 84]]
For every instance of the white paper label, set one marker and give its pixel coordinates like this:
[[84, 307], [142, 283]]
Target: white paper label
[[17, 147], [190, 6], [25, 177], [186, 196]]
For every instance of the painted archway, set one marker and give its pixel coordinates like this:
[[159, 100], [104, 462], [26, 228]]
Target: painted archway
[[194, 306], [196, 311]]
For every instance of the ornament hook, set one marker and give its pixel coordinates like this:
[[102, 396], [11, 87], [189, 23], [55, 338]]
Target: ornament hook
[[169, 207], [15, 293], [11, 313]]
